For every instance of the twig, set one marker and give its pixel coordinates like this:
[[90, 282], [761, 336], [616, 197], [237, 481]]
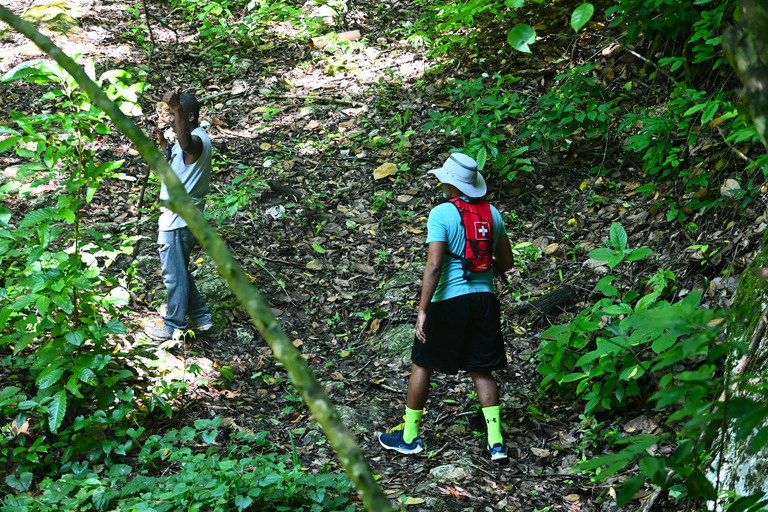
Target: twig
[[355, 374], [215, 95], [439, 449], [327, 99], [650, 503]]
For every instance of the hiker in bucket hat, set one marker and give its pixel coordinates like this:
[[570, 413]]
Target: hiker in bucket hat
[[459, 318], [461, 172]]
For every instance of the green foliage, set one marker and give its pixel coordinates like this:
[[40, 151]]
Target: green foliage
[[607, 349], [228, 29], [58, 311], [245, 188], [482, 126], [69, 425], [449, 25], [199, 474], [654, 17], [576, 102], [645, 349]]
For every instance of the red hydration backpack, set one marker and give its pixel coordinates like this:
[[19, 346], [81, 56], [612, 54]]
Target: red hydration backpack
[[477, 221]]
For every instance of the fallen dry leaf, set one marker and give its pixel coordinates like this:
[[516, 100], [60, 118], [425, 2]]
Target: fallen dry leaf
[[728, 187], [384, 170], [572, 498], [17, 429]]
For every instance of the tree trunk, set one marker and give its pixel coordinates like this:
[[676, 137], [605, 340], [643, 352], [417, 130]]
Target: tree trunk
[[737, 468], [342, 440]]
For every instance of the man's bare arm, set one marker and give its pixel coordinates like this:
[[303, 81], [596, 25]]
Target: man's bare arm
[[503, 259], [432, 274], [191, 145]]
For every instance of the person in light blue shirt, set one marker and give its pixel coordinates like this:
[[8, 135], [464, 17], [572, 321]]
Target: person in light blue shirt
[[459, 320], [190, 160]]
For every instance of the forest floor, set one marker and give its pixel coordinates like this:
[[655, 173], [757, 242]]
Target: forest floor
[[339, 251]]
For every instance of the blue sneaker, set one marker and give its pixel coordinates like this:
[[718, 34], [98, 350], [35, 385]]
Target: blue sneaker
[[394, 441], [498, 453]]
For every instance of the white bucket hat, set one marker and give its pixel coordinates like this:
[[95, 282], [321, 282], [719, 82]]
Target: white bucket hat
[[460, 171]]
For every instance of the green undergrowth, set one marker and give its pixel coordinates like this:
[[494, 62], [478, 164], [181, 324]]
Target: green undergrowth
[[682, 140], [74, 402], [636, 349], [196, 468]]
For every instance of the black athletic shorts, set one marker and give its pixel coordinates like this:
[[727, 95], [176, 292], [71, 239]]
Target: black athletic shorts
[[463, 333]]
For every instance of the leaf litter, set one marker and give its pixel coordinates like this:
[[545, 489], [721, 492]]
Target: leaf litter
[[339, 231]]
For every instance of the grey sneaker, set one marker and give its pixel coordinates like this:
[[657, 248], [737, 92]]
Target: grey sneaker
[[204, 327], [158, 331]]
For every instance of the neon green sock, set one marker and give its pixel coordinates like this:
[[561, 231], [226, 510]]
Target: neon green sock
[[493, 422], [412, 421]]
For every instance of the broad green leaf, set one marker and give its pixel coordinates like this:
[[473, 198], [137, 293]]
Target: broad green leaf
[[617, 309], [91, 191], [632, 372], [515, 4], [90, 69], [9, 392], [21, 483], [113, 75], [601, 254], [581, 16], [639, 253], [481, 158], [24, 301], [604, 285], [120, 470], [628, 489], [614, 260], [746, 503], [5, 314], [618, 237], [318, 248], [709, 113], [37, 216], [694, 109], [9, 131], [115, 327], [23, 342], [75, 338], [29, 68], [42, 304], [8, 143], [26, 405], [209, 436], [102, 129], [759, 440], [699, 486], [73, 386], [56, 410], [49, 377], [84, 374], [243, 502], [573, 377], [521, 36]]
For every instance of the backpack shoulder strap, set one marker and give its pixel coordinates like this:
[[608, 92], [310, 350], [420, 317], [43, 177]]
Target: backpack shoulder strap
[[459, 209]]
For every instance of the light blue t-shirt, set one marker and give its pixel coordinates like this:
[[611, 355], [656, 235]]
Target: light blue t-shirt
[[195, 177], [444, 225]]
